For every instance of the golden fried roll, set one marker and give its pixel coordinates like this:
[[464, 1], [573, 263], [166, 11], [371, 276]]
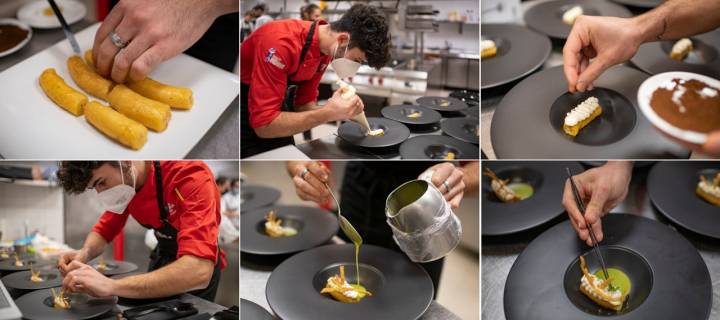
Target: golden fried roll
[[87, 79], [152, 114], [63, 95], [176, 97], [115, 125], [89, 59]]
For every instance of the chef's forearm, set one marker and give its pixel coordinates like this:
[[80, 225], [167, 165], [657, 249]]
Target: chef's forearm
[[286, 124], [94, 245], [184, 275], [675, 19]]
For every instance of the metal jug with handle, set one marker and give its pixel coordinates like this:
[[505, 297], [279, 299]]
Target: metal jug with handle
[[423, 224]]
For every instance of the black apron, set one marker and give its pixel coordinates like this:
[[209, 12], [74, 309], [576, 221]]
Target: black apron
[[166, 250], [365, 187], [250, 143]]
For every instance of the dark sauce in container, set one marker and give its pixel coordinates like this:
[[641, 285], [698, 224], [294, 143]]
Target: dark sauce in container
[[11, 36]]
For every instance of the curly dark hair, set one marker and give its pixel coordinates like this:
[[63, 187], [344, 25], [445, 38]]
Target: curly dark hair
[[369, 31], [308, 10], [74, 176]]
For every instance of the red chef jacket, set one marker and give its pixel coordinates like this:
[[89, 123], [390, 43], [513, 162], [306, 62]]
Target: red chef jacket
[[193, 203], [269, 56]]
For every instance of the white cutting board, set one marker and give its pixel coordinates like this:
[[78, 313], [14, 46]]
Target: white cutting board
[[33, 127]]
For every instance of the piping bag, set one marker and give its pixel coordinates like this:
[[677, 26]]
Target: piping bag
[[348, 92]]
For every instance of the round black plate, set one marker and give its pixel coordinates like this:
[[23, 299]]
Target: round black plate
[[654, 57], [315, 226], [472, 112], [528, 122], [520, 52], [21, 280], [546, 17], [114, 267], [468, 96], [435, 103], [399, 113], [251, 310], [671, 188], [434, 147], [548, 181], [463, 129], [400, 289], [640, 3], [254, 197], [680, 289], [37, 305], [9, 264], [395, 133]]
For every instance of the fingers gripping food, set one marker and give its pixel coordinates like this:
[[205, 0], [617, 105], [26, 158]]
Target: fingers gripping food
[[499, 186], [63, 95], [152, 114], [87, 79], [600, 291], [274, 228], [348, 92], [681, 49], [342, 291], [176, 97], [709, 190], [581, 116], [116, 125]]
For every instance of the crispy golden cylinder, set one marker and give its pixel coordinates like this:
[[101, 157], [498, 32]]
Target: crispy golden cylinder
[[63, 95], [176, 97], [152, 114], [87, 79], [89, 59], [116, 126]]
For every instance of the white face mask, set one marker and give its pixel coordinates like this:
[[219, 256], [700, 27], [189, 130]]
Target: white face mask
[[344, 67], [117, 198]]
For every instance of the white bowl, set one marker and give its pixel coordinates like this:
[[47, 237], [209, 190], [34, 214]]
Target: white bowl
[[20, 25], [645, 94], [32, 13]]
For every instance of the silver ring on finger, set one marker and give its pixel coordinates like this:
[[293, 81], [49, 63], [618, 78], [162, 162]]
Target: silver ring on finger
[[447, 186], [117, 40], [304, 173]]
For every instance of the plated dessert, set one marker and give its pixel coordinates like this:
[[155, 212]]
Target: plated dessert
[[709, 190], [18, 261], [274, 228], [605, 292], [581, 116], [489, 49], [60, 301], [35, 276], [688, 104], [508, 191], [681, 49], [342, 291]]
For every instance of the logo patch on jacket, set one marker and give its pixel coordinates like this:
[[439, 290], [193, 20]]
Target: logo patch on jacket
[[273, 59]]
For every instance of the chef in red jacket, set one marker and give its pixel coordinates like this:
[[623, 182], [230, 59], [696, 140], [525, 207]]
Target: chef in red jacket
[[283, 63], [178, 200]]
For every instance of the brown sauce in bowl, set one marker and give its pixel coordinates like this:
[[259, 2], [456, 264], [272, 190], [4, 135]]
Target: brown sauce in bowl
[[688, 104], [11, 36]]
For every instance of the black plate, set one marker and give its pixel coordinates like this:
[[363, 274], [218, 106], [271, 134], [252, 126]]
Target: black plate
[[9, 264], [115, 267], [434, 103], [434, 147], [520, 52], [37, 305], [679, 285], [463, 129], [21, 280], [400, 289], [472, 112], [671, 188], [315, 226], [251, 310], [654, 57], [399, 113], [548, 181], [640, 3], [546, 17], [395, 133], [467, 96], [254, 197], [528, 122]]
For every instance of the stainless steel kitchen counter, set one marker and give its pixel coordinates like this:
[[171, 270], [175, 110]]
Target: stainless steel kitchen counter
[[498, 258]]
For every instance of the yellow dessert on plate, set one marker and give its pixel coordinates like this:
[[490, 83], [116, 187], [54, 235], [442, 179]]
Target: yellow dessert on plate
[[709, 190], [600, 291], [681, 49], [489, 49], [342, 291], [581, 116]]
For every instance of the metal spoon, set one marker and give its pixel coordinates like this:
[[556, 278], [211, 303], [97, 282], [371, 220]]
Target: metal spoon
[[345, 225]]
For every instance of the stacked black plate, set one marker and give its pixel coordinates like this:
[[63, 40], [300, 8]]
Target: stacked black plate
[[654, 57], [417, 118], [546, 17], [395, 133], [38, 305], [254, 197], [520, 51]]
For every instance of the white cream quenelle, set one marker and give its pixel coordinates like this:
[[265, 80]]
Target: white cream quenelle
[[348, 92], [582, 111]]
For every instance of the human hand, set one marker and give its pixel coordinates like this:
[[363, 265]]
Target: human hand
[[309, 178], [82, 278], [600, 189], [154, 31], [449, 180], [340, 108], [606, 40], [67, 258]]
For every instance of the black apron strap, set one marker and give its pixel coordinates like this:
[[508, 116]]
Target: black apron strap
[[289, 101], [160, 195]]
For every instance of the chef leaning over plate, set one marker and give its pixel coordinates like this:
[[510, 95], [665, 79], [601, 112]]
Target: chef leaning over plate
[[283, 63], [610, 41], [178, 200]]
